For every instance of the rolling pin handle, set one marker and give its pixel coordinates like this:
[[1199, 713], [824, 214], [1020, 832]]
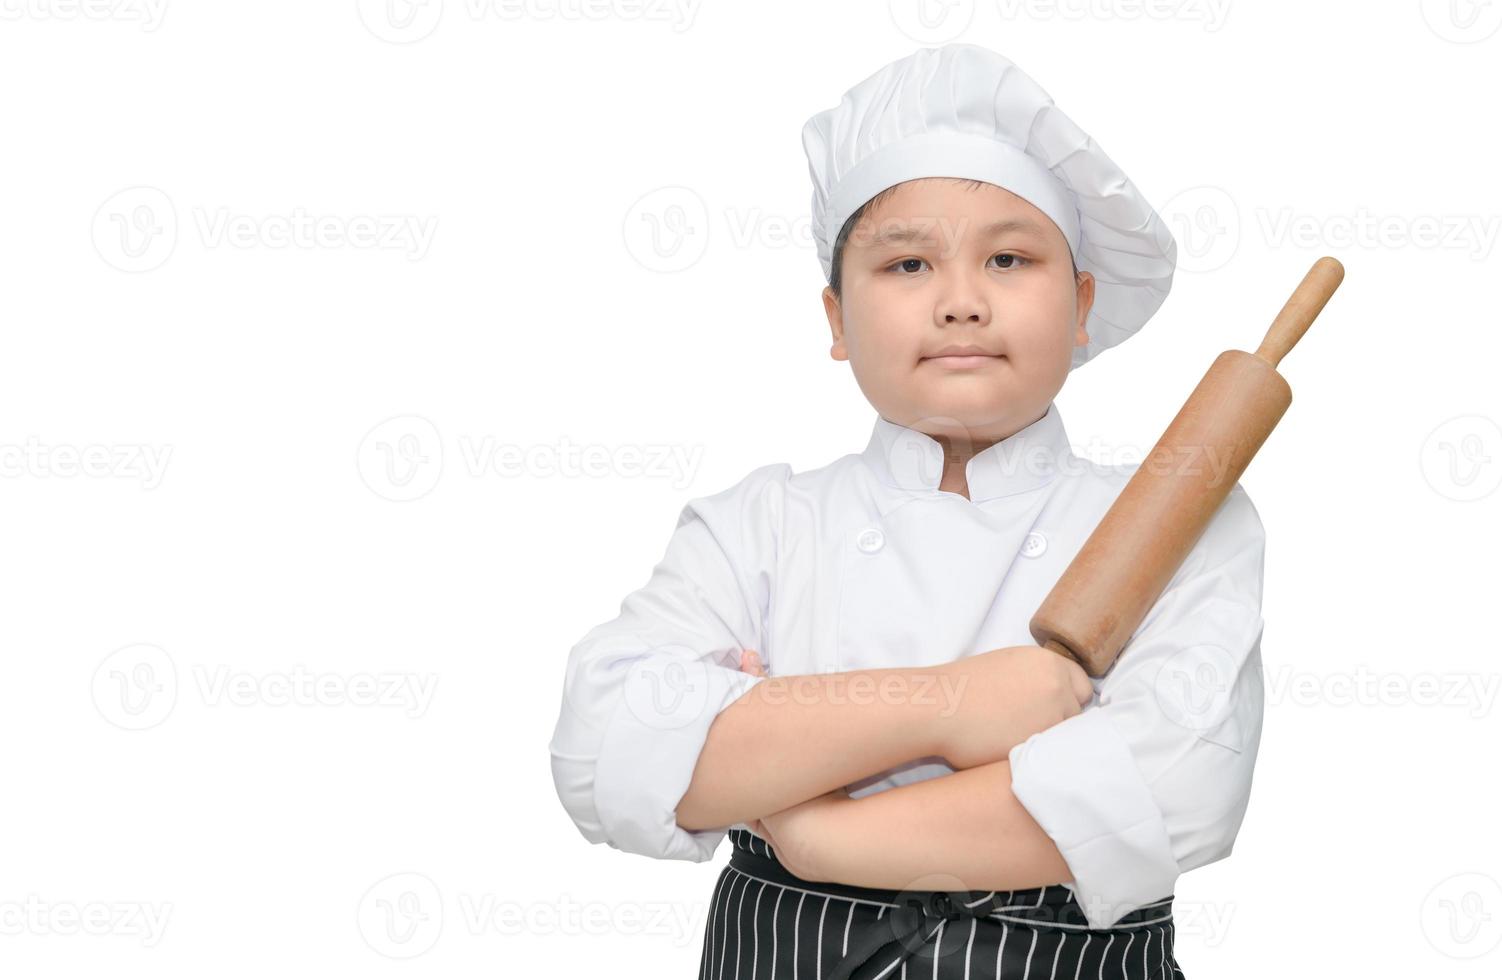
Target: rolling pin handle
[[1302, 307]]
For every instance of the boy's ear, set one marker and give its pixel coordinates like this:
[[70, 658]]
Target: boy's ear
[[836, 325], [1084, 298]]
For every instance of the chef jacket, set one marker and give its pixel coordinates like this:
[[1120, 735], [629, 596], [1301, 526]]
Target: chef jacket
[[865, 563]]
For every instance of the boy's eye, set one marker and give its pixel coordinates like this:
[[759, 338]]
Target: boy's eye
[[1009, 261]]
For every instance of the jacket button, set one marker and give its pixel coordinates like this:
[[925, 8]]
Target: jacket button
[[871, 540], [1034, 544]]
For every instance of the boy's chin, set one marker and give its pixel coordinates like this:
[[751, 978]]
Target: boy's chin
[[971, 403], [971, 416], [982, 411]]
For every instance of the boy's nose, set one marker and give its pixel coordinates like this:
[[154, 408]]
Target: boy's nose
[[962, 303], [969, 312]]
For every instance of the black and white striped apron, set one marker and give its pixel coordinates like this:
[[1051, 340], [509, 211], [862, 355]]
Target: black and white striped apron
[[765, 923]]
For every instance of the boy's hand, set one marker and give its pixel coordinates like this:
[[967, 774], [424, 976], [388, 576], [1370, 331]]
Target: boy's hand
[[799, 833], [751, 663], [1004, 696]]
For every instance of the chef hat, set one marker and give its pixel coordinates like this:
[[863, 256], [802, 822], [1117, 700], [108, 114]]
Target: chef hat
[[965, 111]]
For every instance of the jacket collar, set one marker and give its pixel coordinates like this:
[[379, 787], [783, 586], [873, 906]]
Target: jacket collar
[[1027, 459]]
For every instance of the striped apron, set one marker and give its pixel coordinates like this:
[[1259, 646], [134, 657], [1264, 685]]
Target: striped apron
[[765, 923]]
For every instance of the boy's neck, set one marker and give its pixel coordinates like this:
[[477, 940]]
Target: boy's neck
[[958, 451], [956, 456]]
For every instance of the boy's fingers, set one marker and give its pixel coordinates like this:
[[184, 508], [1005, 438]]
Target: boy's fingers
[[751, 663], [1083, 689]]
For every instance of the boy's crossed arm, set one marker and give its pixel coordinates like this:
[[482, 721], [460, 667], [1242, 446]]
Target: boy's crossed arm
[[967, 827], [786, 747], [1116, 801]]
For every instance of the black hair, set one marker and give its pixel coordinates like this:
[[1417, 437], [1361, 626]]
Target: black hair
[[838, 254]]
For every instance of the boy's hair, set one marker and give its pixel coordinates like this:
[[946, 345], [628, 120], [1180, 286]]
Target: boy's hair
[[838, 255]]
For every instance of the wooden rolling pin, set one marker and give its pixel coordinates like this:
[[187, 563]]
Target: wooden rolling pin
[[1133, 553]]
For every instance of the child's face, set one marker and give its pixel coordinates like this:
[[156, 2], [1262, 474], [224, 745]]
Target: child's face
[[1011, 293]]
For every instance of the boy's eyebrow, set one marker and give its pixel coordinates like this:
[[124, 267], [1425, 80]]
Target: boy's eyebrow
[[901, 234]]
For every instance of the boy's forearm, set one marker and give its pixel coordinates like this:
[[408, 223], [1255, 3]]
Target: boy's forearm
[[789, 739], [967, 826]]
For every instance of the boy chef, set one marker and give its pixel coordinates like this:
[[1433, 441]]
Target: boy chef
[[978, 247]]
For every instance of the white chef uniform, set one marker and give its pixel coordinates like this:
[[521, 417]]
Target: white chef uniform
[[865, 563]]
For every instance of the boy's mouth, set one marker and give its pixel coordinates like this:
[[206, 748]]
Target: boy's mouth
[[962, 356]]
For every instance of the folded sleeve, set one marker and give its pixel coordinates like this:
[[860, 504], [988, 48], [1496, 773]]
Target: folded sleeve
[[1153, 777], [642, 690]]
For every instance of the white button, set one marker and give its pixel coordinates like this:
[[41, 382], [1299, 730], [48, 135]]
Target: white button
[[871, 540], [1034, 544]]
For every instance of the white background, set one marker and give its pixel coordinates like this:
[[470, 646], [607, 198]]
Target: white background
[[204, 504]]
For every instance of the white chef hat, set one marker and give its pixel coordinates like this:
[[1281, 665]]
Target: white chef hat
[[965, 111]]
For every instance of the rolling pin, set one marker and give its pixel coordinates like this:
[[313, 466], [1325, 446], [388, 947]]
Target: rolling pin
[[1130, 557]]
